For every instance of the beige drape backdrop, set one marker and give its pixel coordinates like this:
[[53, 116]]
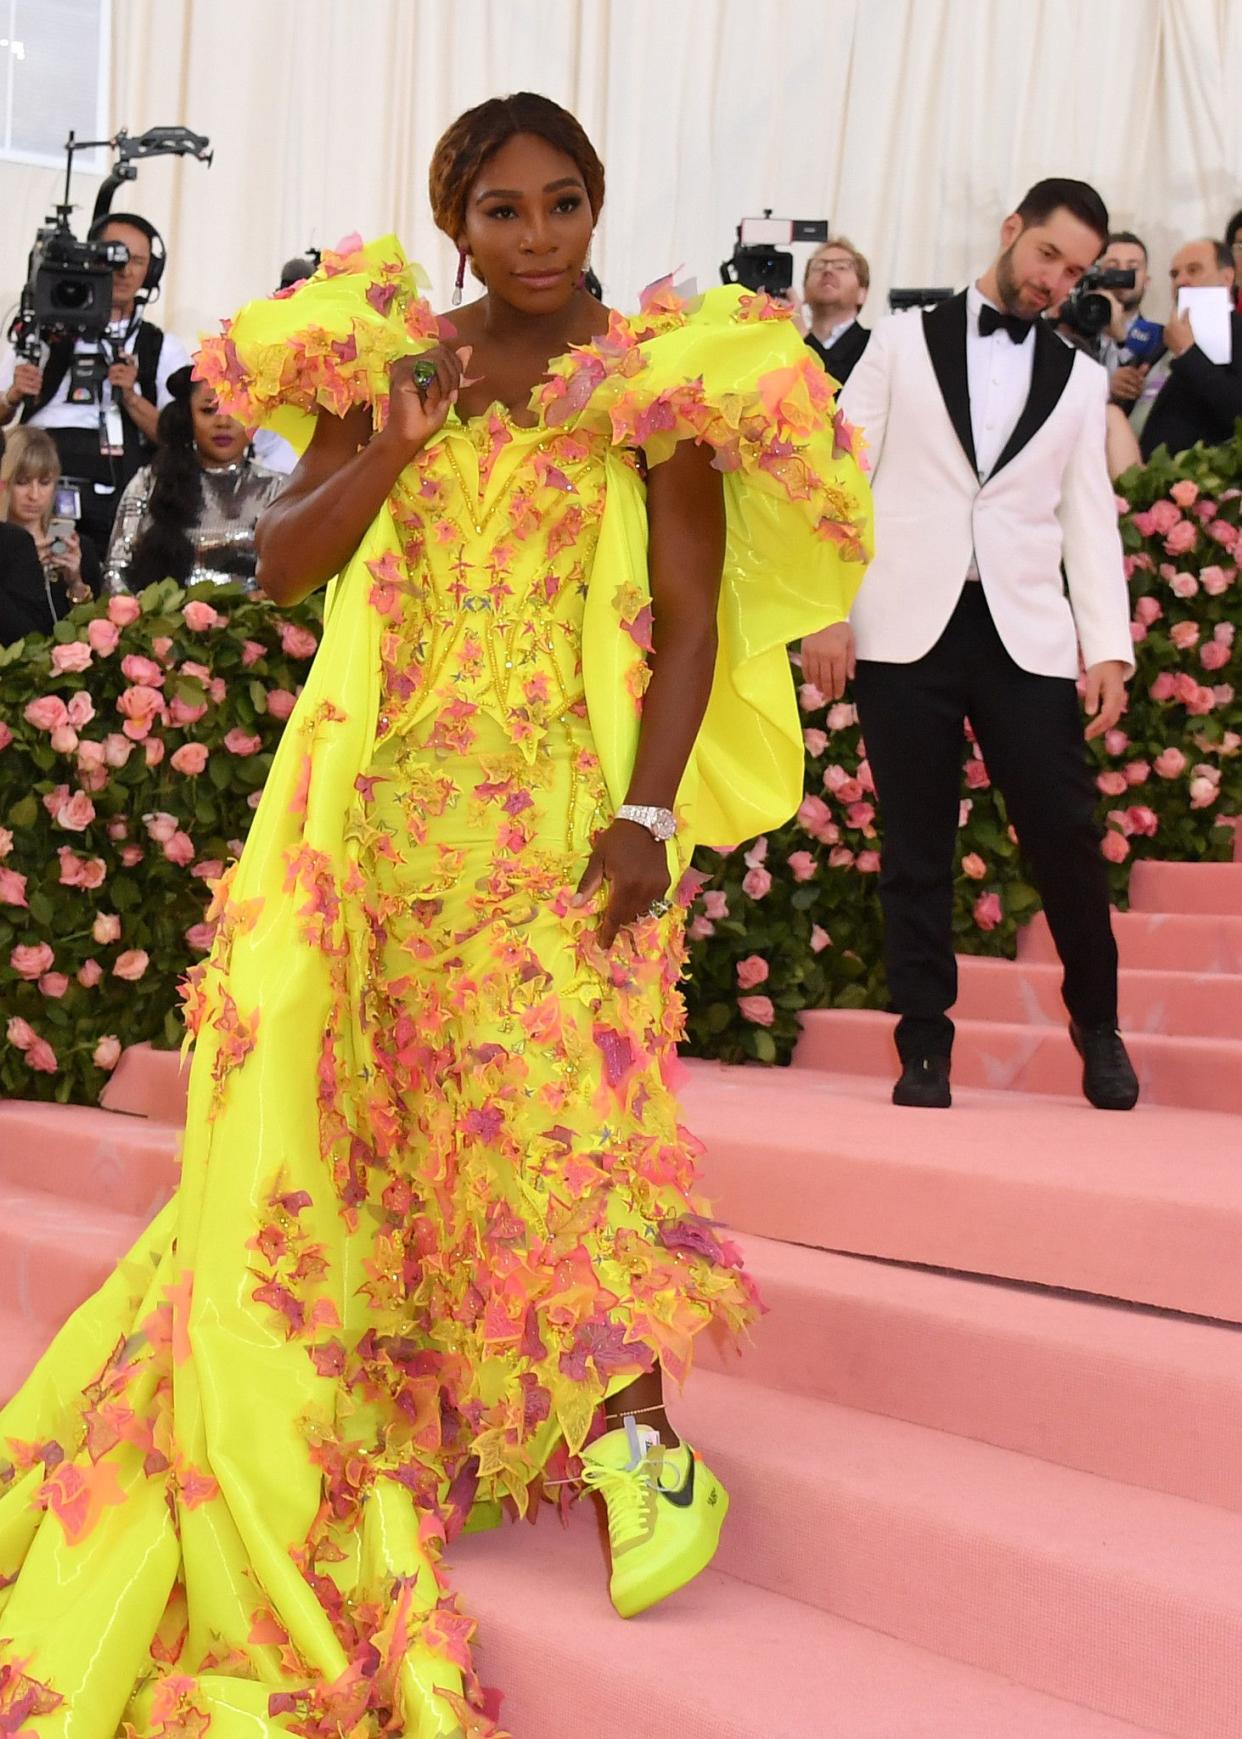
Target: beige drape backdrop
[[912, 124]]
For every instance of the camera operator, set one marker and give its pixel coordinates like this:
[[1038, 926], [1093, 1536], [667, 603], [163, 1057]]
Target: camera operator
[[834, 289], [102, 409], [1131, 344], [1201, 400]]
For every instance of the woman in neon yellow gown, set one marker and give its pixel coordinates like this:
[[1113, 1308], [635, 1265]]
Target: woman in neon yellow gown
[[435, 1205]]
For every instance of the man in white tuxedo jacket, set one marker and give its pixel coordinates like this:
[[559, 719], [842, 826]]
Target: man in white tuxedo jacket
[[998, 562]]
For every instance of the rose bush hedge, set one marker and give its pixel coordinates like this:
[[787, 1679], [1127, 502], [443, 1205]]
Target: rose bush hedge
[[793, 921], [134, 743]]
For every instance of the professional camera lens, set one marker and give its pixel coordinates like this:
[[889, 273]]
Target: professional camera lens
[[68, 295]]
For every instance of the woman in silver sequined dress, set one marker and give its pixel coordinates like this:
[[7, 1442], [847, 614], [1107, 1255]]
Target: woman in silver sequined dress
[[190, 514]]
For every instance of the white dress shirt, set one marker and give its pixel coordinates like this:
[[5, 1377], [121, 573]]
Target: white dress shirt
[[998, 375]]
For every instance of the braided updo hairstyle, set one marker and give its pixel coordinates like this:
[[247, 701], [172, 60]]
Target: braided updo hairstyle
[[478, 134]]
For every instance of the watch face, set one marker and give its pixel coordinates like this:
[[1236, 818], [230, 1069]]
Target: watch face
[[664, 827]]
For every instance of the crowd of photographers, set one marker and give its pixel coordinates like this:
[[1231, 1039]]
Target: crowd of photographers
[[118, 468]]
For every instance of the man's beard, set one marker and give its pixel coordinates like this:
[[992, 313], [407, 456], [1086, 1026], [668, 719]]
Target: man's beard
[[1131, 300], [1007, 284]]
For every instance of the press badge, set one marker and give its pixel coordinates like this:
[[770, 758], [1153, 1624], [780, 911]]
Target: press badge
[[111, 432]]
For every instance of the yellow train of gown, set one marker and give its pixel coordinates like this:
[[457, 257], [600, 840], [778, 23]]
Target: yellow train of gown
[[435, 1202]]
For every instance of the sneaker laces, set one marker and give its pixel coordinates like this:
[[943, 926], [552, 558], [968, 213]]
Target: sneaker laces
[[629, 1493]]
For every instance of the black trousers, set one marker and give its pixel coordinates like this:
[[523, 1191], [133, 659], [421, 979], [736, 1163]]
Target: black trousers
[[81, 459], [1029, 729]]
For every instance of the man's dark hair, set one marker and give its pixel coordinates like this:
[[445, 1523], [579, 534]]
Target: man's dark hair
[[1232, 228], [1059, 193], [1224, 254], [1129, 238]]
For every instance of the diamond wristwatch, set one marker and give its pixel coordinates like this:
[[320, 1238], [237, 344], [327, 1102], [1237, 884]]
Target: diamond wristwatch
[[661, 824]]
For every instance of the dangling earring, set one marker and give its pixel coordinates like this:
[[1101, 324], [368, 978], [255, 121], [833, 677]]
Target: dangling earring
[[582, 275], [461, 277]]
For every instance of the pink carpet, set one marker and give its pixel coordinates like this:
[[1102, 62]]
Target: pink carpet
[[995, 1503]]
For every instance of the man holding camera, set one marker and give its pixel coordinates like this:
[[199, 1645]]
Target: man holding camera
[[1200, 400], [986, 438], [101, 402], [834, 290]]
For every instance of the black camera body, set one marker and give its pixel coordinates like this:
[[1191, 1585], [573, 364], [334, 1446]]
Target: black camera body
[[1086, 310], [761, 262], [69, 283]]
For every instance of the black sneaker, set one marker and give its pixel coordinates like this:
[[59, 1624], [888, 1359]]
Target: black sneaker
[[924, 1081], [1108, 1078]]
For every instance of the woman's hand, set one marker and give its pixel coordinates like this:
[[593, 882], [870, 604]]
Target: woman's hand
[[418, 407], [635, 866]]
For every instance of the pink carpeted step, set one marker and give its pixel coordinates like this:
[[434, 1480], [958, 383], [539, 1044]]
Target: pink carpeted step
[[1084, 1588], [1168, 941], [54, 1253], [148, 1083], [1125, 1392], [1205, 1073], [1186, 887], [22, 1345], [85, 1155], [1146, 1207], [720, 1660], [1190, 1004]]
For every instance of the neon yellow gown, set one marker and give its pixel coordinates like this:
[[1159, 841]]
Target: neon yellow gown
[[435, 1200]]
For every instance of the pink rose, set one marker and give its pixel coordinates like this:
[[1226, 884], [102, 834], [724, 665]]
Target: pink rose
[[988, 911], [974, 867], [190, 758], [122, 610], [1184, 492], [81, 709], [860, 815], [820, 939], [200, 616], [131, 855], [89, 974], [816, 741], [301, 643], [160, 825], [1163, 687], [840, 857], [6, 842], [6, 735], [1170, 763], [1144, 524], [756, 883], [814, 815], [698, 930], [201, 936], [161, 646], [77, 872], [20, 1034], [868, 863], [103, 636], [1112, 784], [977, 775], [42, 1057], [715, 903], [1116, 742], [106, 928], [1223, 694], [1214, 580], [1162, 517], [117, 749], [140, 707], [212, 868], [154, 751], [252, 651], [53, 799], [963, 811], [1184, 635], [118, 828], [1215, 655], [752, 971], [107, 1053], [48, 713], [180, 850], [64, 740], [12, 888], [842, 716], [1137, 772], [1141, 819], [131, 965], [810, 698], [144, 671], [91, 760], [183, 712], [1221, 532], [74, 655], [1122, 505], [1185, 586], [76, 813], [757, 1009], [280, 703], [1226, 632], [1115, 846], [238, 743], [1182, 539], [1203, 791], [1148, 610], [757, 854], [54, 984], [1200, 702], [31, 960], [1137, 633], [802, 865]]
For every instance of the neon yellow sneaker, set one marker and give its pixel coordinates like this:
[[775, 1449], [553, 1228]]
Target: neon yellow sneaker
[[665, 1512]]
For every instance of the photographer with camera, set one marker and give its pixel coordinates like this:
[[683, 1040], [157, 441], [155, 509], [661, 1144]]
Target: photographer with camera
[[100, 401], [834, 289], [1130, 345], [1201, 399]]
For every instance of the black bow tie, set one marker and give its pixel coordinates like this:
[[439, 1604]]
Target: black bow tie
[[992, 320]]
